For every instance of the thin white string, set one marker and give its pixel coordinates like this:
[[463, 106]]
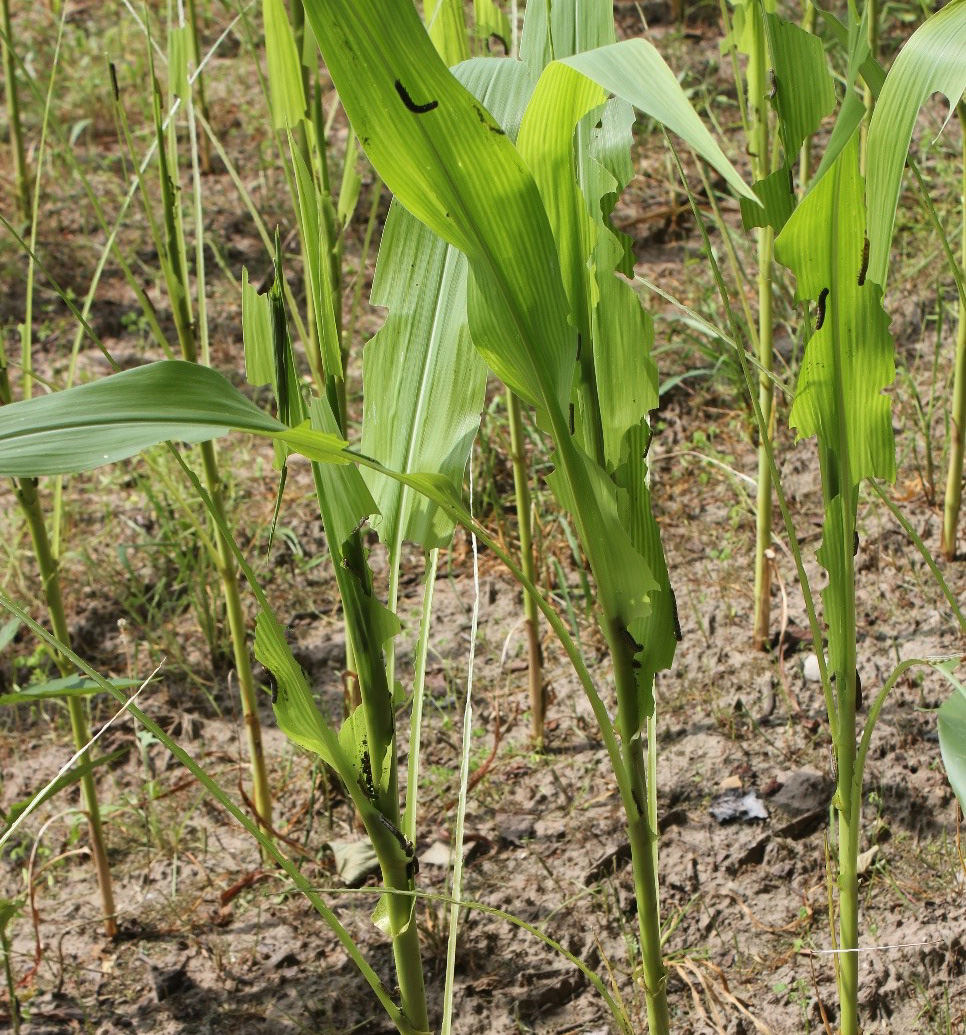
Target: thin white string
[[35, 801], [867, 948], [464, 781]]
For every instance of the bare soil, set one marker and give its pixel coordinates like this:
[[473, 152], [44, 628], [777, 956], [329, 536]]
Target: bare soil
[[213, 941]]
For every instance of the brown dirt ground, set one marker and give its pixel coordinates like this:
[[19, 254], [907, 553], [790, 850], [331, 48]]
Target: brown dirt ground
[[212, 942]]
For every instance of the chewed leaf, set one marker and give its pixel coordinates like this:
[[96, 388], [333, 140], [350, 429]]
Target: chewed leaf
[[295, 709], [804, 93], [777, 201], [634, 71], [457, 171], [850, 359]]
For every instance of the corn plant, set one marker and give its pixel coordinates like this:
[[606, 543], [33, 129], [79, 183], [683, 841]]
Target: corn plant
[[839, 256], [538, 245], [933, 60]]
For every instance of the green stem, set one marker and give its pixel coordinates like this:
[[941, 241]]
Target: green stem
[[11, 984], [766, 400], [354, 580], [957, 426], [199, 79], [805, 155], [27, 497], [13, 115], [761, 165], [643, 837], [419, 687], [872, 30], [521, 489], [237, 627]]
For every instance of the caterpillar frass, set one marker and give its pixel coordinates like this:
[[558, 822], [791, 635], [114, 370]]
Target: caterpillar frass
[[821, 309], [411, 105], [865, 262]]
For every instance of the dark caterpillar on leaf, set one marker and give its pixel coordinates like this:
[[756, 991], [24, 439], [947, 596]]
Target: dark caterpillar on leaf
[[411, 105], [821, 309], [865, 262]]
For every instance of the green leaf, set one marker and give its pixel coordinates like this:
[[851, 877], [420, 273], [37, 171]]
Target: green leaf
[[952, 737], [318, 270], [179, 50], [286, 89], [804, 92], [446, 25], [68, 686], [489, 20], [423, 381], [8, 631], [257, 335], [73, 775], [10, 909], [932, 60], [560, 30], [777, 201], [354, 740], [854, 39], [285, 70], [452, 165], [347, 500], [850, 359], [298, 715], [634, 71], [121, 415]]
